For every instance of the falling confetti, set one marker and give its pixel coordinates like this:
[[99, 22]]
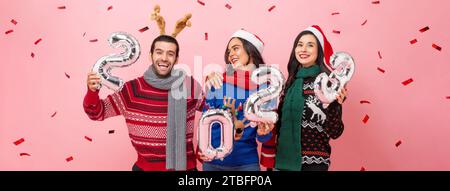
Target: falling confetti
[[111, 131], [408, 81], [364, 101], [381, 70], [37, 41], [398, 143], [206, 36], [84, 34], [24, 154], [13, 21], [364, 23], [68, 159], [424, 29], [200, 2], [67, 75], [93, 40], [110, 7], [228, 6], [448, 97], [143, 29], [413, 41], [335, 13], [53, 115], [366, 118], [379, 55], [9, 31], [436, 47], [18, 142], [336, 31], [271, 8], [62, 7], [32, 55], [362, 169], [88, 138], [375, 2]]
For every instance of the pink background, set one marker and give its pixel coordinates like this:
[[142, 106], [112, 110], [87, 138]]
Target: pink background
[[32, 89]]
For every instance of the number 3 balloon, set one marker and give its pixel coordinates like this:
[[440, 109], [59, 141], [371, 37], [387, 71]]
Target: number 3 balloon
[[105, 64], [326, 87]]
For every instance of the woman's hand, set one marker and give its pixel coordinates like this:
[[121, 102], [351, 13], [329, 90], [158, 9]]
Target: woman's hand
[[341, 95], [215, 80], [265, 128]]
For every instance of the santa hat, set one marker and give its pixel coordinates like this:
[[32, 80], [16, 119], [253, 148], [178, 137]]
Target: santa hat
[[326, 46], [252, 38]]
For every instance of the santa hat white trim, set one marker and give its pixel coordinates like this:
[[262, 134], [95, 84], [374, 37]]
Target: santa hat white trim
[[252, 38], [326, 46]]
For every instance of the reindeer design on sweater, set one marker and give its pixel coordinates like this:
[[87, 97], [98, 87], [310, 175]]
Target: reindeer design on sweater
[[312, 103]]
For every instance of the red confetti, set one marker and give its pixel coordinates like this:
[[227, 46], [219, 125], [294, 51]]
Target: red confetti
[[366, 118], [379, 55], [408, 81], [13, 21], [53, 115], [143, 29], [18, 142], [68, 159], [362, 169], [111, 131], [424, 29], [436, 47], [110, 7], [271, 8], [336, 31], [32, 55], [67, 75], [364, 23], [84, 34], [448, 97], [375, 2], [364, 101], [398, 143], [200, 2], [24, 154], [37, 41], [62, 7], [9, 31], [335, 13], [228, 6], [88, 138], [206, 36], [93, 40], [381, 70], [413, 41]]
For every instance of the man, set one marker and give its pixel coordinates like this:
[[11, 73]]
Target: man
[[159, 109]]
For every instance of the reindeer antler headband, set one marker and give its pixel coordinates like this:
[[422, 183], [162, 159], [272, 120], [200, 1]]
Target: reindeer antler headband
[[179, 25]]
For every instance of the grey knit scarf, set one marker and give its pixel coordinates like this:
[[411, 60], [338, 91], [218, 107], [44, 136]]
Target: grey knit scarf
[[176, 122]]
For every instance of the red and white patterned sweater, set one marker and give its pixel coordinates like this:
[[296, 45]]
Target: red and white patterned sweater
[[145, 110]]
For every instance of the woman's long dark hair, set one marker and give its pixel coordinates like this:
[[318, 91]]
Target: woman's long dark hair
[[251, 50], [293, 66]]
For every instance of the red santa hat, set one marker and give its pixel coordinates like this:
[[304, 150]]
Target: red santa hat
[[250, 37], [326, 46]]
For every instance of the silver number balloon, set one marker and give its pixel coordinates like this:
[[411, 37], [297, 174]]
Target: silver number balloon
[[253, 109], [227, 133], [105, 64], [327, 87]]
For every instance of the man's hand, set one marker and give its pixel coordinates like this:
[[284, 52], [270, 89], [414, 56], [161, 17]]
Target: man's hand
[[93, 81]]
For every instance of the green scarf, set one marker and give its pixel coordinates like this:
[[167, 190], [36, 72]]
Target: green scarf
[[289, 156]]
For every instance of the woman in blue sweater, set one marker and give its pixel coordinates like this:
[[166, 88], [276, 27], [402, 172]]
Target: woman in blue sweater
[[230, 91]]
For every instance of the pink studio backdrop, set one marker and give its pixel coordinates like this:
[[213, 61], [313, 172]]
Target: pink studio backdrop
[[33, 89]]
